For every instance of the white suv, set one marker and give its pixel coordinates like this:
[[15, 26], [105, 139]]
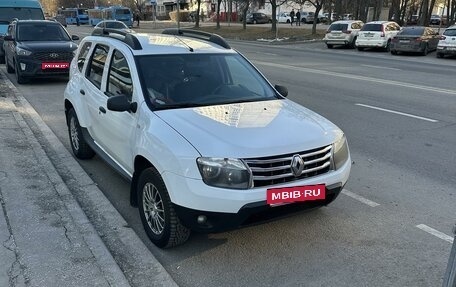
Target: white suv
[[343, 32], [447, 42], [377, 34], [204, 138]]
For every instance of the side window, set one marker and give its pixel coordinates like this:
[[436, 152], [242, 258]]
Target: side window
[[83, 55], [119, 78], [95, 69]]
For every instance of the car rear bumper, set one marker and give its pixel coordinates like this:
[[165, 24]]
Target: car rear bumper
[[337, 41], [371, 43], [446, 50]]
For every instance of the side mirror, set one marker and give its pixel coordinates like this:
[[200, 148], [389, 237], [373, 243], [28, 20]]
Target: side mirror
[[282, 90], [120, 103], [74, 37], [8, 38]]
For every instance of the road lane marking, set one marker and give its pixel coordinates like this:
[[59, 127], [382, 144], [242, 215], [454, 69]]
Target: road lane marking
[[380, 67], [436, 233], [355, 77], [398, 113], [360, 198]]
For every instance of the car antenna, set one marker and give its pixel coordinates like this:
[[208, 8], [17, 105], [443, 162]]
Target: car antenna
[[183, 42]]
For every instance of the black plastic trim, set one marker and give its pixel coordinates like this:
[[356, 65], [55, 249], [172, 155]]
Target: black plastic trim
[[214, 38]]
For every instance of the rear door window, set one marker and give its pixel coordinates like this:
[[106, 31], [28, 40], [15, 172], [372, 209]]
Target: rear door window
[[96, 65]]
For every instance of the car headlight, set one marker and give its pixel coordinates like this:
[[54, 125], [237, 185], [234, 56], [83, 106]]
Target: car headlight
[[22, 52], [224, 172], [340, 148]]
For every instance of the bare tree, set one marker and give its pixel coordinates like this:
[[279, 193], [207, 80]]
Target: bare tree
[[318, 4]]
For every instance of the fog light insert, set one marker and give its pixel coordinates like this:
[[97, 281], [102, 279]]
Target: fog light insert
[[23, 66], [202, 219]]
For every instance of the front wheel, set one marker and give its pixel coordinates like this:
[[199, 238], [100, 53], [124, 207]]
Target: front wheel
[[388, 46], [439, 55], [9, 69], [425, 50], [353, 43], [330, 46], [157, 213], [360, 48]]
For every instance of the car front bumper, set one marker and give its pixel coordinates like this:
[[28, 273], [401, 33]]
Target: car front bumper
[[252, 213], [30, 67]]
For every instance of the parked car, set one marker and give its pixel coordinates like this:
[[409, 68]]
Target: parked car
[[307, 17], [322, 18], [416, 39], [38, 48], [113, 24], [284, 17], [176, 118], [377, 34], [344, 32], [413, 20], [447, 42], [435, 20], [257, 18]]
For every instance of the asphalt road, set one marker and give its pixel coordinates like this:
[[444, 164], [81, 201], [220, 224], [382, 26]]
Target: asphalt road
[[390, 227]]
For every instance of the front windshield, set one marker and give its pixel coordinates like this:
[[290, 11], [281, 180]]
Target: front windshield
[[173, 81], [41, 32], [8, 14], [112, 25], [122, 11]]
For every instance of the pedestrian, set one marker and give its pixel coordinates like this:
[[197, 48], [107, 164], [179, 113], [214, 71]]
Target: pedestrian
[[137, 18], [292, 15], [298, 18], [77, 21]]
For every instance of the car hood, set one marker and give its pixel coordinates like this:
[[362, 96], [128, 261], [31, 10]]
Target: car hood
[[45, 46], [254, 129]]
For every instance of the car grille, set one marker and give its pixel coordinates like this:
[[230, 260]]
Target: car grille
[[277, 169], [53, 56]]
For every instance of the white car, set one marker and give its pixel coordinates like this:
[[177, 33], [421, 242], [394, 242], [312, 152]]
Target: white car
[[377, 34], [284, 17], [202, 135], [447, 42], [343, 32]]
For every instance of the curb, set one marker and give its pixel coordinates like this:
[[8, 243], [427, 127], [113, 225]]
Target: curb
[[122, 256]]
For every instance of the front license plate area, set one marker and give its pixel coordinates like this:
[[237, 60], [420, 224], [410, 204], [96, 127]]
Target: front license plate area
[[45, 66], [278, 196]]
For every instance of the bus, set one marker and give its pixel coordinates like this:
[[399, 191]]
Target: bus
[[119, 13], [95, 16], [17, 9], [75, 15]]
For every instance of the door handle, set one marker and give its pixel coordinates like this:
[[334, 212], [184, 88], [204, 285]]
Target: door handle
[[82, 92], [102, 110]]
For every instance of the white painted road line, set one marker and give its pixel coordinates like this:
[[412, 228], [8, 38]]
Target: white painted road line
[[436, 233], [360, 198], [356, 77], [398, 113], [380, 67]]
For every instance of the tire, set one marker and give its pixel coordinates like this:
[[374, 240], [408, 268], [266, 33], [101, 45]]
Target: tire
[[288, 21], [439, 55], [425, 50], [19, 77], [9, 69], [360, 48], [3, 59], [330, 46], [353, 43], [393, 52], [388, 46], [157, 213], [79, 146]]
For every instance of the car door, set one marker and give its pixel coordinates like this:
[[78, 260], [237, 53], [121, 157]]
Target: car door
[[91, 89], [117, 129]]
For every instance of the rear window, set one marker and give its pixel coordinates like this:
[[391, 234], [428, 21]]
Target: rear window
[[372, 27], [412, 31], [338, 27], [450, 32]]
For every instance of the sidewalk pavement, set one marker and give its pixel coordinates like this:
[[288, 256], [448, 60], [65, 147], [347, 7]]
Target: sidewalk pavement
[[46, 238]]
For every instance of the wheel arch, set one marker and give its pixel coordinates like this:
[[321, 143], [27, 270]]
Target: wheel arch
[[68, 106], [141, 163]]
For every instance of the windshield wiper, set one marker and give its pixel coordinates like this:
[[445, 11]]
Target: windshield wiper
[[178, 106]]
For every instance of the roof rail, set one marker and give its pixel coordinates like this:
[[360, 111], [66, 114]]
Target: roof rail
[[214, 38], [126, 37]]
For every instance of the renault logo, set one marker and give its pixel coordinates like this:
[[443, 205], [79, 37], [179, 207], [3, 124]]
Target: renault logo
[[54, 55], [297, 165]]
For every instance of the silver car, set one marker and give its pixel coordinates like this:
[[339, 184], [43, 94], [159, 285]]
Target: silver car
[[343, 32]]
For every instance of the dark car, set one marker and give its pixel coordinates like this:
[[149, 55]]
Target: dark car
[[416, 39], [38, 48], [257, 18]]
